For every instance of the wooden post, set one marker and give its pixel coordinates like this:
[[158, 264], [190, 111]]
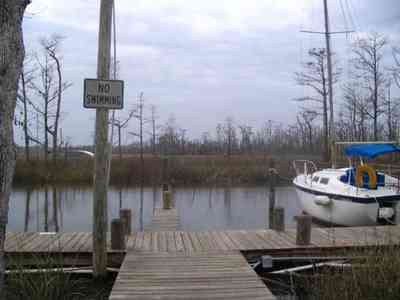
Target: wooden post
[[165, 187], [164, 170], [279, 219], [117, 234], [303, 234], [126, 217], [167, 200], [272, 183], [101, 164]]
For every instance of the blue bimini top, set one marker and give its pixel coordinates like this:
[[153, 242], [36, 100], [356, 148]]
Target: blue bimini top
[[371, 150]]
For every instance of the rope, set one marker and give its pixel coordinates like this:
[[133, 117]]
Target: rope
[[114, 32], [275, 171], [285, 178], [114, 70]]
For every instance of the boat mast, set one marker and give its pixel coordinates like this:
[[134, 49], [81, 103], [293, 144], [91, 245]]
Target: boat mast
[[330, 84]]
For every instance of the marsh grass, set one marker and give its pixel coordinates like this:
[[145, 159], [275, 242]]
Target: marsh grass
[[182, 170], [49, 282], [373, 277]]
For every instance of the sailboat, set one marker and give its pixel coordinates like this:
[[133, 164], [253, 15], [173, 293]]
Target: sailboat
[[358, 195], [353, 196]]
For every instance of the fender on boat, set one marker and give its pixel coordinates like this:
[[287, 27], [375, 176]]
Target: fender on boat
[[322, 200]]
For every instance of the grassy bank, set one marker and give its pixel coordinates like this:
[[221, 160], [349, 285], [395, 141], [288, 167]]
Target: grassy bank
[[181, 170]]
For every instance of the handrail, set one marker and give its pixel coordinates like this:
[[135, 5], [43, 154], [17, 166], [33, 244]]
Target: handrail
[[308, 165]]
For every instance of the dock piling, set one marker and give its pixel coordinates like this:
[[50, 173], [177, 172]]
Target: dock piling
[[126, 217], [279, 219], [117, 235], [272, 183], [303, 233], [167, 200]]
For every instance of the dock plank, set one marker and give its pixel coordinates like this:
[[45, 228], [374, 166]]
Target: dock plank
[[180, 275]]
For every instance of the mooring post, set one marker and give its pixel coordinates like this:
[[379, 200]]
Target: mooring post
[[165, 187], [167, 200], [279, 219], [272, 183], [165, 172], [126, 217], [303, 233], [117, 235]]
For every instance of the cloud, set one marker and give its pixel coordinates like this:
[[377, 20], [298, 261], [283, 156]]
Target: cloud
[[199, 60]]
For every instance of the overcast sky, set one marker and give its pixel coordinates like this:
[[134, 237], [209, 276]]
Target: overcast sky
[[202, 61]]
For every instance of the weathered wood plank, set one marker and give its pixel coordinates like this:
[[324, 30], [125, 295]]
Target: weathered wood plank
[[179, 275]]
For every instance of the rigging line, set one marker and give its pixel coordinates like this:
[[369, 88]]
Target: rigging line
[[344, 15], [111, 142], [114, 70], [352, 16]]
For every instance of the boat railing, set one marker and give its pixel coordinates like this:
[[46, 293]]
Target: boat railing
[[393, 171], [304, 167]]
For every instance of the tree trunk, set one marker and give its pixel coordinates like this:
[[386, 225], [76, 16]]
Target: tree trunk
[[119, 143], [27, 209], [325, 124], [25, 105], [153, 139], [58, 111], [11, 60], [375, 98]]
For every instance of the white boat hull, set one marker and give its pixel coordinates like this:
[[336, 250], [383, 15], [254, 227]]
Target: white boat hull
[[339, 211]]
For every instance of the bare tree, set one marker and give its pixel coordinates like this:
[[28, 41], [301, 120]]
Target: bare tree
[[246, 133], [52, 47], [315, 76], [305, 119], [229, 136], [24, 82], [182, 139], [169, 138], [11, 60], [154, 127], [391, 110], [368, 53], [49, 88], [122, 123], [356, 108], [139, 115]]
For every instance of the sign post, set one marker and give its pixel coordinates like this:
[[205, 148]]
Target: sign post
[[101, 148]]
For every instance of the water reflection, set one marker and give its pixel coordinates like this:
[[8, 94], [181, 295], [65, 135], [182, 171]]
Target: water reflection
[[27, 209], [70, 208]]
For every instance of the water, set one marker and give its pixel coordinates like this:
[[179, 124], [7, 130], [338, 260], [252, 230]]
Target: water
[[199, 208]]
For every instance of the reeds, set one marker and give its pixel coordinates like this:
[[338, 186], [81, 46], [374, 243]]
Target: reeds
[[181, 170], [376, 276], [46, 280]]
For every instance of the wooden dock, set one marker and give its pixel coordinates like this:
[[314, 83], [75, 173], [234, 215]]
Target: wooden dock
[[265, 240], [179, 275], [165, 263], [164, 220]]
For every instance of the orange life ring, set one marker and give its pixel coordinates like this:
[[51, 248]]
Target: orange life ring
[[361, 170]]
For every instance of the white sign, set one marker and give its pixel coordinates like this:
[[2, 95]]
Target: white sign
[[103, 94]]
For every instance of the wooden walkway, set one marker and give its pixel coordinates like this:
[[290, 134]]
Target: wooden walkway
[[194, 265], [167, 264], [228, 240], [164, 220], [174, 276]]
